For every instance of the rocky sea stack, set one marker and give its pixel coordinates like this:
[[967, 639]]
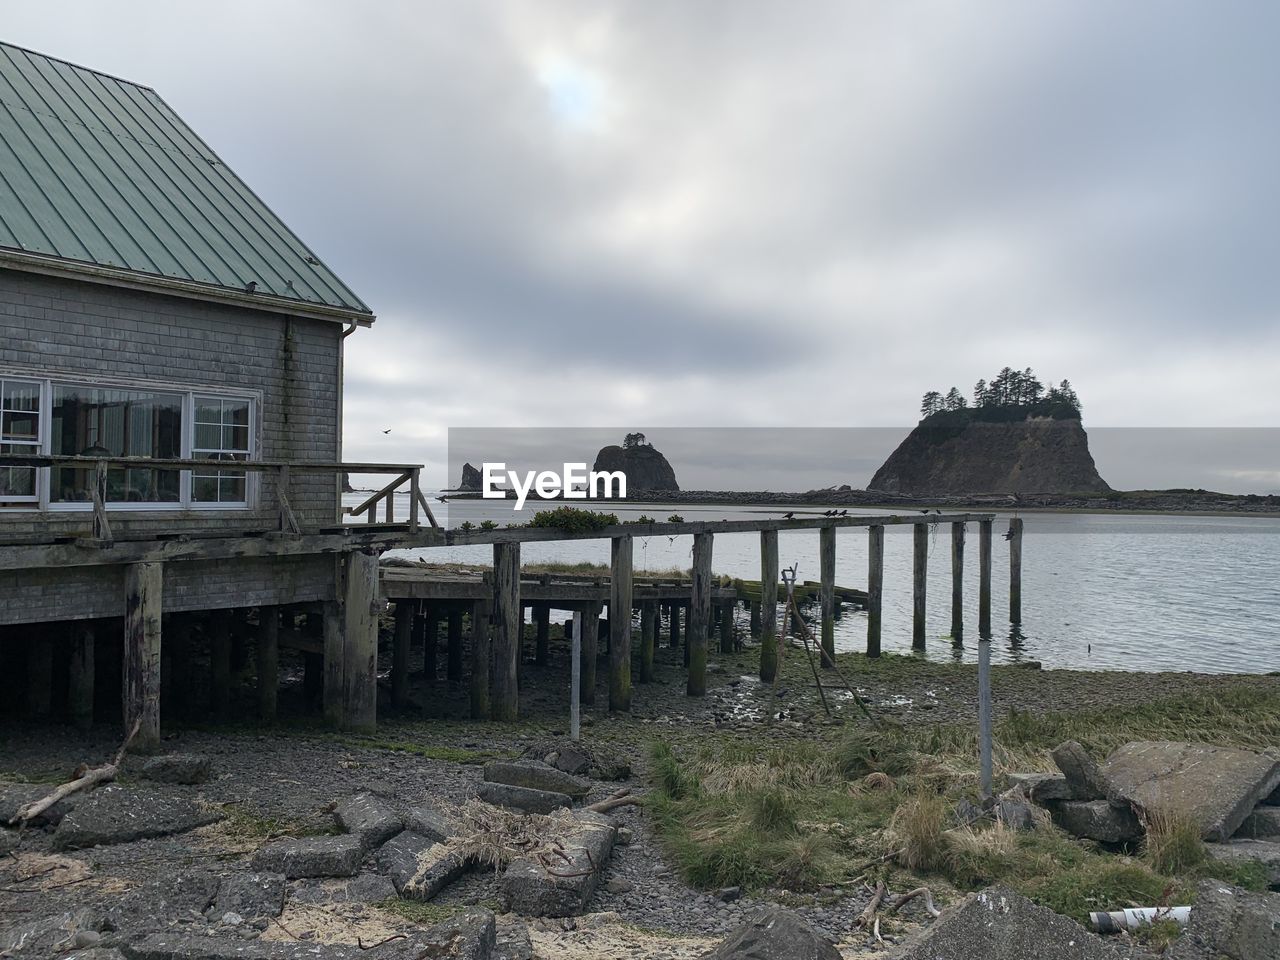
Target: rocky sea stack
[[1016, 438], [471, 478], [645, 467]]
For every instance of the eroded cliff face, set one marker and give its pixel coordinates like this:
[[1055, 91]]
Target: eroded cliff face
[[644, 466], [1039, 455]]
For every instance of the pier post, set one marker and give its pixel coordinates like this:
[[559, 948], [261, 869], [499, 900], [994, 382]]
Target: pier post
[[480, 660], [674, 623], [453, 670], [620, 598], [508, 631], [920, 572], [575, 678], [140, 670], [219, 624], [648, 638], [401, 644], [768, 605], [726, 627], [957, 583], [875, 587], [360, 642], [542, 619], [699, 614], [267, 654], [430, 652], [1015, 570], [753, 607], [80, 675], [335, 666], [984, 714], [590, 650], [984, 577], [827, 593]]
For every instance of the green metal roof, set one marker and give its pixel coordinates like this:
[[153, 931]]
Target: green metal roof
[[102, 176]]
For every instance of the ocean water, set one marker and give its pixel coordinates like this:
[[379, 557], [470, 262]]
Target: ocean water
[[1099, 591]]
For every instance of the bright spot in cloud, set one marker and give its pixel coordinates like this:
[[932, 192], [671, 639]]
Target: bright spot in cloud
[[574, 93]]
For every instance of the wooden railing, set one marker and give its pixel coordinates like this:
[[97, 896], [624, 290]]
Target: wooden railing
[[282, 470], [387, 497]]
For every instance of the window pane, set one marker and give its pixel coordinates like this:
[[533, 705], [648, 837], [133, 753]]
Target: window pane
[[98, 421], [17, 481], [20, 395], [235, 438], [19, 426], [231, 488], [207, 437], [204, 488]]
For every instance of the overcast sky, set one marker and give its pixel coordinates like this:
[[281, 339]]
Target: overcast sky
[[739, 213]]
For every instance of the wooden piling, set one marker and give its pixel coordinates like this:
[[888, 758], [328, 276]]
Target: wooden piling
[[875, 587], [481, 668], [674, 624], [143, 583], [453, 669], [620, 597], [335, 666], [984, 578], [402, 643], [957, 583], [542, 624], [648, 638], [768, 605], [39, 672], [431, 650], [726, 627], [699, 614], [827, 593], [508, 631], [80, 675], [268, 662], [753, 607], [1015, 570], [360, 642], [590, 650], [920, 573], [219, 626]]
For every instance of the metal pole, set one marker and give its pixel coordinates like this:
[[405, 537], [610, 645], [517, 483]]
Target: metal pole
[[984, 713], [575, 684]]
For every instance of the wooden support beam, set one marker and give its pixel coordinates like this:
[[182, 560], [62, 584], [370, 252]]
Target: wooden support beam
[[39, 672], [875, 588], [648, 638], [402, 642], [957, 583], [827, 593], [80, 675], [453, 670], [481, 659], [542, 645], [768, 605], [673, 622], [699, 614], [508, 631], [219, 627], [268, 662], [984, 577], [360, 642], [590, 652], [726, 627], [1015, 570], [621, 549], [919, 585], [140, 688], [431, 652], [335, 664], [753, 606]]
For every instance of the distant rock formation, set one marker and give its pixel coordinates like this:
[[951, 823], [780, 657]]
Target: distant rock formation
[[346, 483], [644, 466], [471, 478], [947, 456]]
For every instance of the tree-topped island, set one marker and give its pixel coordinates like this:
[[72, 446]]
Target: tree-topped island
[[1011, 395]]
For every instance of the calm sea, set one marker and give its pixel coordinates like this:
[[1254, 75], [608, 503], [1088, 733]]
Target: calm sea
[[1100, 592]]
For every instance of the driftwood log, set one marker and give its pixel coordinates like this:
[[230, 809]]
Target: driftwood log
[[86, 780], [620, 799]]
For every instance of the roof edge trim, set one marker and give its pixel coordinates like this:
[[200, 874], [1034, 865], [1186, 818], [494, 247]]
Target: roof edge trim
[[135, 280]]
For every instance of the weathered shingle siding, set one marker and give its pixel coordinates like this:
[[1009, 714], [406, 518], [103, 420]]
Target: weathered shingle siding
[[51, 326]]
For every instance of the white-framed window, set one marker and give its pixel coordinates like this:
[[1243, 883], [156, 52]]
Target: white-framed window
[[20, 408], [66, 417]]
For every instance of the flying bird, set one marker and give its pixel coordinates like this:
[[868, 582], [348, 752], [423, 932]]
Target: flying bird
[[388, 430]]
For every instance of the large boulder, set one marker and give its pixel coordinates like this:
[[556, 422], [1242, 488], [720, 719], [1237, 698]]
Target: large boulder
[[1265, 852], [535, 775], [1099, 820], [16, 795], [1218, 787], [185, 768], [250, 895], [998, 924], [775, 934], [531, 889], [428, 820], [1085, 779], [113, 814], [1262, 824], [311, 857], [1228, 923], [525, 799], [418, 866], [369, 818]]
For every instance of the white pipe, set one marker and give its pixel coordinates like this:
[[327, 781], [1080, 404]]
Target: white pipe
[[1117, 920]]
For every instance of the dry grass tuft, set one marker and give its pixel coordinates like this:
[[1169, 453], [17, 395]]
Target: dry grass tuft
[[918, 829], [878, 781], [1173, 843]]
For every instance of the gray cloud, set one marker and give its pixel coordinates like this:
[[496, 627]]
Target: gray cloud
[[750, 213]]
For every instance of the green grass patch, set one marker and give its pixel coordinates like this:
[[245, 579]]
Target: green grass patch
[[245, 825], [419, 912], [429, 751]]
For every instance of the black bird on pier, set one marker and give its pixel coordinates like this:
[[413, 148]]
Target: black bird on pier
[[789, 515], [1008, 534]]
